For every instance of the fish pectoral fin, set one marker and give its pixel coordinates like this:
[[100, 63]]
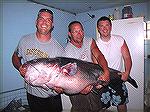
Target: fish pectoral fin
[[70, 68]]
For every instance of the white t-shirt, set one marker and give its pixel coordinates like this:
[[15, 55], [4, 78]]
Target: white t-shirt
[[112, 51]]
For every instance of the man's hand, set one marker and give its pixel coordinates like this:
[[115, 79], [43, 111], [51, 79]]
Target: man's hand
[[58, 89], [105, 77], [124, 76], [22, 71], [87, 89]]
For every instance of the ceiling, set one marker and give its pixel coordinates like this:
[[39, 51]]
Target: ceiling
[[80, 6]]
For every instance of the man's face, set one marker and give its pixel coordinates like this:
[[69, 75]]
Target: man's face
[[104, 28], [44, 23], [76, 33]]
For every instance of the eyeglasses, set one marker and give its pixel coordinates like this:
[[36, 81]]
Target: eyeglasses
[[77, 31]]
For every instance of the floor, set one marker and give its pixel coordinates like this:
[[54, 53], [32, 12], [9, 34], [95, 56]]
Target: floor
[[114, 111]]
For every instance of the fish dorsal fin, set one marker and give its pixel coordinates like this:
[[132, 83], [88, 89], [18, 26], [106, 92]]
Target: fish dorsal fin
[[70, 68]]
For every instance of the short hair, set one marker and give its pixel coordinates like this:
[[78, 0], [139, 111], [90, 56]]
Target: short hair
[[45, 10], [103, 18], [73, 22], [69, 28]]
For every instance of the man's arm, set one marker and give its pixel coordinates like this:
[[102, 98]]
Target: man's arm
[[16, 61], [99, 58], [127, 61], [17, 64]]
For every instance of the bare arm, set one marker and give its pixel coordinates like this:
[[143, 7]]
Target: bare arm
[[127, 61], [17, 64], [99, 58], [16, 61]]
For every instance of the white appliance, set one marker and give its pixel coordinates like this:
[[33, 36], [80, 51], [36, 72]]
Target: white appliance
[[132, 30]]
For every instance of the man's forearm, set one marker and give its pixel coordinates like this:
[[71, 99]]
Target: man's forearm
[[16, 61]]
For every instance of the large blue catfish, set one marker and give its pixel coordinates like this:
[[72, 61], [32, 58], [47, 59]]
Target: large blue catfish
[[71, 74]]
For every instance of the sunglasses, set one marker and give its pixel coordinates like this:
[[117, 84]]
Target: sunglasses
[[45, 10]]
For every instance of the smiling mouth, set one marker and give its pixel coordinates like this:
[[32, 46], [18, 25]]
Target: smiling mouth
[[43, 27], [105, 31]]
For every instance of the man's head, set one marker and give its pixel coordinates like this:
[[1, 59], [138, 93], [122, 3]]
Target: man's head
[[104, 18], [44, 22], [104, 26], [45, 10], [76, 32]]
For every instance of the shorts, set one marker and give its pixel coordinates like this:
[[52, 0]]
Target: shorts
[[114, 94]]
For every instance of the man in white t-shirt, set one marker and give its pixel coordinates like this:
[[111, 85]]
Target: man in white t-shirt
[[115, 50]]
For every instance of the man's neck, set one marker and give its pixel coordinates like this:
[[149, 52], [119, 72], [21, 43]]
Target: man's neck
[[105, 39], [78, 45], [43, 38]]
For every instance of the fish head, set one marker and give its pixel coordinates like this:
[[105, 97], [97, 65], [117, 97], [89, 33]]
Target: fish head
[[72, 77], [67, 74], [69, 69], [37, 74]]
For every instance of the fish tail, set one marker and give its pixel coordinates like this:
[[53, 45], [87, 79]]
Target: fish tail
[[132, 82]]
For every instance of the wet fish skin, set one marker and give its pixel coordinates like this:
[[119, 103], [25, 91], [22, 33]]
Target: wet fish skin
[[72, 75]]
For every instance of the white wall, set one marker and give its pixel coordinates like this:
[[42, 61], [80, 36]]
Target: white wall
[[1, 48], [148, 11]]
